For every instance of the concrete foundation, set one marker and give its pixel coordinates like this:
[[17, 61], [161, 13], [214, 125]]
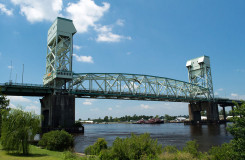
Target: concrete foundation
[[58, 111], [210, 108]]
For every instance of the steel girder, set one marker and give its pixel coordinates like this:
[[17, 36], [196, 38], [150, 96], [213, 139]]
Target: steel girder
[[135, 86]]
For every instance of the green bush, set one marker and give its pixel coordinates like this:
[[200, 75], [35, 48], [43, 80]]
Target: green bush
[[67, 155], [95, 149], [134, 147], [56, 140], [225, 151], [192, 148], [170, 149]]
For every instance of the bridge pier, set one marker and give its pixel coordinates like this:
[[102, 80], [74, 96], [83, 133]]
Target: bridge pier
[[210, 108], [195, 112], [58, 113]]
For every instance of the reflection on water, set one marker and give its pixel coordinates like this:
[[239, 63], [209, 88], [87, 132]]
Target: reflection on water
[[167, 134]]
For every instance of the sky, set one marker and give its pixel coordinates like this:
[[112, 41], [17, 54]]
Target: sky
[[124, 36]]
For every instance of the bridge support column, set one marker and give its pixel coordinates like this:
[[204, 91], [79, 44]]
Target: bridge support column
[[58, 112], [224, 114], [211, 110], [195, 112]]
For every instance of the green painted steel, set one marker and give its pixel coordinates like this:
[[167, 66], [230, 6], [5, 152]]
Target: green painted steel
[[19, 89], [136, 87]]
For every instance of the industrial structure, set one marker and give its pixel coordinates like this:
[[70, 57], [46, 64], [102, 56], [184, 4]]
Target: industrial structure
[[61, 86]]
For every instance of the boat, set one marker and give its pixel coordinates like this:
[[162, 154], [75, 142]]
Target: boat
[[150, 121]]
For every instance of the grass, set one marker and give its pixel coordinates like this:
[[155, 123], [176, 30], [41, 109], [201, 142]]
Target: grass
[[36, 153]]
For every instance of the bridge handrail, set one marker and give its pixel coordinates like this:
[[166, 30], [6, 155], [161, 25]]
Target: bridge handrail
[[23, 84]]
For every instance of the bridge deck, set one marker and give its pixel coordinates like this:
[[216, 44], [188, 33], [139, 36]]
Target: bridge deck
[[19, 89]]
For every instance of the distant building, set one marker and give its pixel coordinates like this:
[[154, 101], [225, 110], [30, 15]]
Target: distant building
[[180, 119], [88, 122], [203, 117]]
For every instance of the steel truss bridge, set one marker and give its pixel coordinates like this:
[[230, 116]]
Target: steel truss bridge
[[119, 86]]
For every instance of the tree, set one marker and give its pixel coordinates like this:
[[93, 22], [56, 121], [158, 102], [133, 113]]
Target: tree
[[4, 103], [18, 127], [106, 118], [237, 129], [203, 113]]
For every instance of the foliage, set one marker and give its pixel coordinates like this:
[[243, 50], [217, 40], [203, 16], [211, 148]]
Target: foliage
[[4, 103], [169, 118], [134, 147], [56, 140], [97, 147], [170, 149], [192, 148], [237, 129], [78, 124], [225, 151], [17, 128], [67, 155]]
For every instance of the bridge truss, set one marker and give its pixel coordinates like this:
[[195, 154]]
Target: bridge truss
[[136, 87]]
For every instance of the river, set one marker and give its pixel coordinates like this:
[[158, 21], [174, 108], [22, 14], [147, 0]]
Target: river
[[167, 134]]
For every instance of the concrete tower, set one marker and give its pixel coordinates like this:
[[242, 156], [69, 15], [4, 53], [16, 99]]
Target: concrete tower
[[59, 54]]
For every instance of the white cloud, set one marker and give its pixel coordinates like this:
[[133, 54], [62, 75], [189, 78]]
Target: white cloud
[[6, 11], [220, 89], [37, 11], [87, 59], [143, 106], [10, 67], [105, 34], [12, 106], [18, 99], [120, 22], [94, 109], [237, 96], [234, 95], [85, 13], [77, 47], [88, 102], [109, 109], [216, 93], [129, 53], [33, 108]]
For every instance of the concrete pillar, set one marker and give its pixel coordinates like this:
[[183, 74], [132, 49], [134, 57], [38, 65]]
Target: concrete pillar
[[58, 111], [194, 112], [212, 111], [224, 113]]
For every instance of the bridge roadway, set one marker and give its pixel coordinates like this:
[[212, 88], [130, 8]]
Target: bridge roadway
[[121, 86]]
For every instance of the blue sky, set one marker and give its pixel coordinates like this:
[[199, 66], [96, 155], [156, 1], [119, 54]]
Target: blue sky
[[124, 36]]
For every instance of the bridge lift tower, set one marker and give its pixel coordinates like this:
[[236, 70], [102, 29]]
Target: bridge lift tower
[[199, 72], [59, 54], [58, 108]]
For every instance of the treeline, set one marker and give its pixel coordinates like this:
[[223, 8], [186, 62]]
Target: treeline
[[128, 118]]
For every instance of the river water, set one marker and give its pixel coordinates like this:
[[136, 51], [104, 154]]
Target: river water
[[176, 134]]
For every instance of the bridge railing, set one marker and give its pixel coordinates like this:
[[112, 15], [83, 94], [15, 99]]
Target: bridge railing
[[136, 84], [23, 85]]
